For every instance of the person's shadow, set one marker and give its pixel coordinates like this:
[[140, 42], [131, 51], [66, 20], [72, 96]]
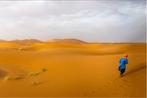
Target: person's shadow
[[140, 66]]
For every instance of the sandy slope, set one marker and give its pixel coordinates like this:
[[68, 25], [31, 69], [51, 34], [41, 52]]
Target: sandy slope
[[74, 70]]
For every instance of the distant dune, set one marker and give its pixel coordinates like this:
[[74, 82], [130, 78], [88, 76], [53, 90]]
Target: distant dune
[[26, 41], [71, 41], [70, 68]]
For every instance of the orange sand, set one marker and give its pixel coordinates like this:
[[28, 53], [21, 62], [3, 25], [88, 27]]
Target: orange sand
[[74, 69]]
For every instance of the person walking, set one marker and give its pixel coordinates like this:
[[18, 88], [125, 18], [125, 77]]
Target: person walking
[[122, 64]]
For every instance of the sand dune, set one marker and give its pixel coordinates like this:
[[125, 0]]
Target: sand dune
[[70, 41], [70, 68]]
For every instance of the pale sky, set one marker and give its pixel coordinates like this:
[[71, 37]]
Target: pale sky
[[88, 20]]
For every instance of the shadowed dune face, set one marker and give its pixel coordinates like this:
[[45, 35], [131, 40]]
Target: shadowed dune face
[[138, 68], [3, 73], [53, 69]]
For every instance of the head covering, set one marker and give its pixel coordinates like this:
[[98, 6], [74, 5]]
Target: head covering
[[125, 55]]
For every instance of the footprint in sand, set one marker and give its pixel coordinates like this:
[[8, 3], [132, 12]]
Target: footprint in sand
[[36, 83], [123, 83], [118, 82]]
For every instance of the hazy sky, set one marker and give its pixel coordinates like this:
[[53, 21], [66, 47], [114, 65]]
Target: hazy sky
[[96, 21]]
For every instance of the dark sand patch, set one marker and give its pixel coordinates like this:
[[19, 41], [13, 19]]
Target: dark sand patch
[[3, 73]]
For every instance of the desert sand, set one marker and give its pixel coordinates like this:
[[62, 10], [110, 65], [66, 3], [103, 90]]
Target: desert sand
[[71, 68]]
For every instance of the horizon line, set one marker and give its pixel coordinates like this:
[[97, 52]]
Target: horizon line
[[54, 39]]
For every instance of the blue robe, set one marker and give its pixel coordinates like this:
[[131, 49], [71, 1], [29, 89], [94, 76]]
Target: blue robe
[[122, 64]]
